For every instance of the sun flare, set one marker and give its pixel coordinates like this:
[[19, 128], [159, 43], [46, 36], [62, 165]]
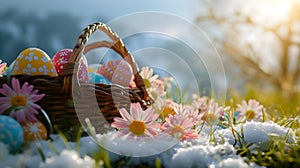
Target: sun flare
[[270, 12], [275, 10]]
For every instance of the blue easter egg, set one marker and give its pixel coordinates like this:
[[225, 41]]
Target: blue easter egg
[[97, 78], [11, 133]]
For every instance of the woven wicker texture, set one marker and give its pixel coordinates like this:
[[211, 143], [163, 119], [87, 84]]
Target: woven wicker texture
[[69, 102]]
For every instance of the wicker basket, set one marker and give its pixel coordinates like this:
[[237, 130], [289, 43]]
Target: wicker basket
[[69, 102]]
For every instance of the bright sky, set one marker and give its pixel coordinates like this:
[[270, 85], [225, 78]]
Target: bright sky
[[107, 9]]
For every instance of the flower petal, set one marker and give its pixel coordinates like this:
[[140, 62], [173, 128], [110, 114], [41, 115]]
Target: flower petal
[[125, 115], [36, 98], [27, 90], [16, 85], [124, 132], [154, 125], [4, 107], [135, 110], [6, 91], [33, 105], [20, 115], [119, 123], [151, 132], [148, 115], [4, 100], [31, 117]]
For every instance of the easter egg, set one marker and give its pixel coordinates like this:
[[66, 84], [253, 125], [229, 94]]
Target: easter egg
[[11, 133], [33, 61], [3, 68], [117, 71], [62, 57], [97, 78], [34, 131], [83, 72], [10, 68], [94, 67]]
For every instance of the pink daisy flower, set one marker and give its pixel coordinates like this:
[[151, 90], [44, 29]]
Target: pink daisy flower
[[167, 107], [249, 111], [157, 88], [167, 82], [212, 113], [147, 75], [200, 103], [154, 86], [2, 67], [137, 123], [180, 127], [188, 111], [20, 102]]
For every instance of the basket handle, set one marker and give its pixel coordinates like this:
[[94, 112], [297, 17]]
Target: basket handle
[[117, 45]]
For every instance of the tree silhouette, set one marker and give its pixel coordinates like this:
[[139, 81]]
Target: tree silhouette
[[282, 69]]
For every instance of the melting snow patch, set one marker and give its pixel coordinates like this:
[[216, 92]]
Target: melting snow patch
[[232, 163], [258, 132], [202, 155], [69, 159], [192, 153], [140, 147]]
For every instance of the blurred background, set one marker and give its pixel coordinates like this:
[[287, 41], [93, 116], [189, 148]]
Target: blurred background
[[257, 40]]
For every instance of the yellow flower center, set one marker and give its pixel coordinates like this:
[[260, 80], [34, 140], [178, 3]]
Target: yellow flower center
[[18, 101], [168, 110], [177, 132], [147, 83], [250, 114], [137, 127], [209, 118]]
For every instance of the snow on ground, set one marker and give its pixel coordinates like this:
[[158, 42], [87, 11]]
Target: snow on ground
[[142, 147], [259, 133], [71, 158], [195, 153]]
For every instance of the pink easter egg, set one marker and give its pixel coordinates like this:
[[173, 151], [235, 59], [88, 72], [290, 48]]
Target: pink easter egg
[[117, 72], [61, 58], [83, 74]]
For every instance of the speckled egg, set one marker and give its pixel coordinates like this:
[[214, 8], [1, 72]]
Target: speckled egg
[[83, 72], [97, 78], [34, 131], [117, 71], [11, 133], [61, 58], [33, 61]]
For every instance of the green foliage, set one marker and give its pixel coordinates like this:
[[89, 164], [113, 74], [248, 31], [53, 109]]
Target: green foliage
[[64, 138], [41, 153], [280, 109], [278, 105], [101, 156], [278, 154]]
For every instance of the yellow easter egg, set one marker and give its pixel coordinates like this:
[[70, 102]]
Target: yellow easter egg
[[33, 61], [34, 131]]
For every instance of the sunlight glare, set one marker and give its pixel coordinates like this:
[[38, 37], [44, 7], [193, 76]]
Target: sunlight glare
[[270, 12], [276, 10]]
